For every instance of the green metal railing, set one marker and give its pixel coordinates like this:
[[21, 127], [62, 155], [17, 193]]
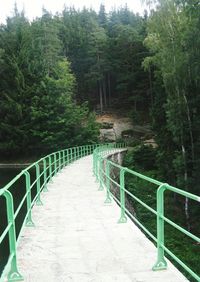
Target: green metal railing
[[36, 177], [102, 168]]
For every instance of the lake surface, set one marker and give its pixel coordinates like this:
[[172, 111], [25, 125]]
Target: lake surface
[[7, 174]]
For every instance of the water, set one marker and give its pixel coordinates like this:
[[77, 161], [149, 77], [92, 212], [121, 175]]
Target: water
[[7, 174]]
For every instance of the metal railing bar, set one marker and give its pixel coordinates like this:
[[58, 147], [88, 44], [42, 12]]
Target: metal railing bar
[[115, 198], [178, 227], [183, 193], [181, 263], [7, 186], [139, 175], [34, 200], [115, 165], [34, 182], [20, 205], [113, 181], [22, 226], [5, 232], [141, 225], [141, 202], [6, 268], [50, 165], [103, 176]]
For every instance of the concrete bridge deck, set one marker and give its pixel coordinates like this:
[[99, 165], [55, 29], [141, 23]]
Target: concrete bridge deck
[[77, 237]]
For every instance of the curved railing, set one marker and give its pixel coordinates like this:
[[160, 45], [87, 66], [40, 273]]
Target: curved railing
[[102, 168], [35, 178], [37, 175]]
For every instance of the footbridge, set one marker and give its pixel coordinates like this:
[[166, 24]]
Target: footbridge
[[72, 223]]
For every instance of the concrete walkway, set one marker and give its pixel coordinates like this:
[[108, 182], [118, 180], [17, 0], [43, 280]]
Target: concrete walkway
[[77, 237]]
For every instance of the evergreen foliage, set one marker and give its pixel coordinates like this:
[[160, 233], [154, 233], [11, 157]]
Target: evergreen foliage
[[106, 51], [37, 88], [51, 66]]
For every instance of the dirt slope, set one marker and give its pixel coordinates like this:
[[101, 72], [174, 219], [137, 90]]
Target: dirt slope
[[117, 123]]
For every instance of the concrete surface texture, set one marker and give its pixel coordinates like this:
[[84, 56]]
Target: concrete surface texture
[[77, 237]]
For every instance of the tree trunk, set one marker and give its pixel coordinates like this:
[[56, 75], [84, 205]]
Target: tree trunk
[[189, 125], [100, 97], [104, 92], [109, 90], [150, 87], [183, 151], [186, 203], [179, 94]]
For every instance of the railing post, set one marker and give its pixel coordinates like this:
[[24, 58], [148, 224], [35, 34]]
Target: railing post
[[94, 163], [50, 169], [79, 152], [45, 175], [76, 149], [59, 160], [29, 221], [55, 164], [161, 262], [38, 200], [108, 195], [100, 174], [67, 156], [70, 155], [14, 274], [63, 158], [123, 218], [73, 155], [97, 168]]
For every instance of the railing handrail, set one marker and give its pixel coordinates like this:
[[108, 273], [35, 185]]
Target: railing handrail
[[101, 169], [48, 166], [45, 168]]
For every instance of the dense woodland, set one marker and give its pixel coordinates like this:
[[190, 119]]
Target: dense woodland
[[58, 70]]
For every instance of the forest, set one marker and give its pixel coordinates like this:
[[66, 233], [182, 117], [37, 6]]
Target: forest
[[56, 70], [59, 71]]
